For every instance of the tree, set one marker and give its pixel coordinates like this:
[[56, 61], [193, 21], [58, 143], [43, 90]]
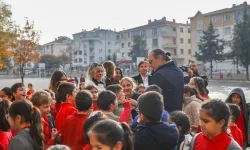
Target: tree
[[27, 47], [64, 59], [51, 62], [138, 49], [114, 58], [7, 34], [211, 48]]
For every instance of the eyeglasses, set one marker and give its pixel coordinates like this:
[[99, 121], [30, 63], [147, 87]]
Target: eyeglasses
[[95, 65]]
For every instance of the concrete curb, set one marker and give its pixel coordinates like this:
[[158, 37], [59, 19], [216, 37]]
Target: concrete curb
[[229, 81]]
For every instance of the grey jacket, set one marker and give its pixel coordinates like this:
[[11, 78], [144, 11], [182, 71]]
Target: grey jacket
[[21, 141]]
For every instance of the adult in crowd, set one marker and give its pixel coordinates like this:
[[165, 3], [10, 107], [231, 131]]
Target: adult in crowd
[[109, 67], [168, 77], [55, 78], [199, 84], [118, 75], [95, 76], [190, 74], [143, 77], [128, 86], [195, 68]]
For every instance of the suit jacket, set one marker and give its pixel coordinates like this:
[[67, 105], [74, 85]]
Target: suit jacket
[[138, 79]]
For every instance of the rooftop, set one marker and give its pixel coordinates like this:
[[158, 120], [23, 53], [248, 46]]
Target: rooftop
[[60, 39]]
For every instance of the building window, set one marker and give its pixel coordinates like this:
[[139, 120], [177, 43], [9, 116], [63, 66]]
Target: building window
[[122, 36], [129, 44], [199, 35], [122, 45], [174, 40], [109, 43], [143, 33], [122, 54], [75, 60], [174, 29], [182, 40], [100, 50], [100, 58], [117, 37], [175, 52], [128, 34], [182, 51], [155, 32], [189, 41], [75, 52], [227, 17], [189, 30], [181, 30], [155, 42], [85, 62], [214, 19], [109, 51], [80, 59], [80, 52], [227, 30], [199, 24], [189, 51], [85, 54]]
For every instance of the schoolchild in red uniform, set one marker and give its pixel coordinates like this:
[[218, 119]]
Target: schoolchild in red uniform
[[73, 126], [93, 118], [107, 102], [237, 97], [94, 91], [5, 133], [42, 101], [66, 94], [19, 91], [234, 130], [214, 117]]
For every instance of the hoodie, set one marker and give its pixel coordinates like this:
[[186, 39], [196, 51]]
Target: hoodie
[[158, 136], [244, 110], [22, 141]]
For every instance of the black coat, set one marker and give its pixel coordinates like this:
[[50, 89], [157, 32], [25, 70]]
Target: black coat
[[138, 79], [155, 136], [170, 79]]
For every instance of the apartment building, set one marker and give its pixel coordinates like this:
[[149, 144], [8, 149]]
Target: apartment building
[[56, 47], [170, 36], [92, 46], [223, 21]]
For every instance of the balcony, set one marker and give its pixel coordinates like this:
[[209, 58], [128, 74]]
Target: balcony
[[169, 45], [169, 33]]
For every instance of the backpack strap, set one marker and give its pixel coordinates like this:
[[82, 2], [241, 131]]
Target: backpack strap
[[234, 145], [193, 140]]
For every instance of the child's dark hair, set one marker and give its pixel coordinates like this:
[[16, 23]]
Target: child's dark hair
[[92, 119], [201, 85], [7, 91], [30, 85], [90, 87], [117, 68], [105, 99], [145, 103], [218, 110], [192, 91], [83, 100], [153, 87], [40, 97], [116, 88], [4, 107], [30, 115], [139, 86], [64, 89], [234, 111], [16, 86], [140, 63], [109, 132], [181, 119], [56, 77]]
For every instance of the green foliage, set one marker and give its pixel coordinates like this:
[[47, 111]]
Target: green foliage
[[138, 48]]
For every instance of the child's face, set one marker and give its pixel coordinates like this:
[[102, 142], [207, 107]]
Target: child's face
[[30, 87], [120, 95], [209, 126], [72, 97], [236, 99], [94, 92], [114, 106], [4, 96], [96, 145], [141, 90], [44, 109], [127, 88], [192, 84], [20, 93]]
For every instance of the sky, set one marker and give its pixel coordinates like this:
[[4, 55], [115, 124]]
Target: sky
[[65, 17]]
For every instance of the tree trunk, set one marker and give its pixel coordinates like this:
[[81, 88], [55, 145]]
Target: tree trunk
[[211, 68], [237, 64], [247, 64]]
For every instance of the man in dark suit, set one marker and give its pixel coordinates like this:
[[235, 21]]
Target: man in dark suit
[[143, 77]]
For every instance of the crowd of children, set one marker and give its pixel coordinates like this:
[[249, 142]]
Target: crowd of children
[[123, 116]]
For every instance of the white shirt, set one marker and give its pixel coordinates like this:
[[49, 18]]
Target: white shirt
[[145, 80]]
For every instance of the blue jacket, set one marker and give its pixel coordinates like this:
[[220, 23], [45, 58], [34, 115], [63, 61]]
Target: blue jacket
[[170, 79], [155, 136]]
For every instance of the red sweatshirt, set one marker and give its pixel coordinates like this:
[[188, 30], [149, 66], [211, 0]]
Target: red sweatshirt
[[5, 138], [237, 135], [47, 132], [240, 122], [87, 147], [126, 113], [72, 131], [66, 110], [220, 142], [95, 107]]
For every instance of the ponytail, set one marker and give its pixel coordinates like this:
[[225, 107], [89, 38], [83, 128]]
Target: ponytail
[[192, 92], [127, 140], [31, 115], [36, 128]]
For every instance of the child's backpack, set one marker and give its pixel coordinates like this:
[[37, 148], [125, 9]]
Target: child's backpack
[[186, 144]]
